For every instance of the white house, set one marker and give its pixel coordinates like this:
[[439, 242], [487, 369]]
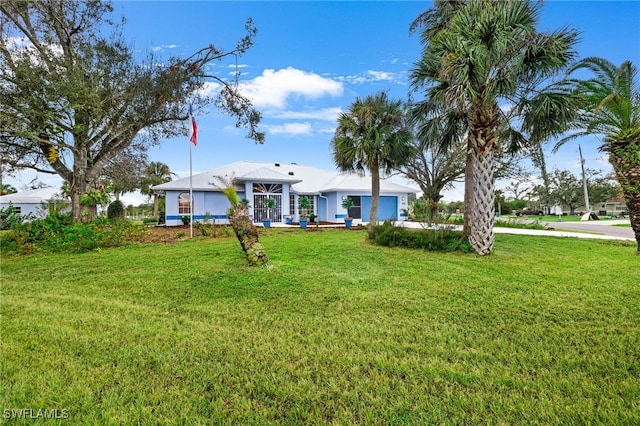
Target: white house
[[286, 183], [34, 201]]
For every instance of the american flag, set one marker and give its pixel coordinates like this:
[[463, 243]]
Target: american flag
[[193, 130]]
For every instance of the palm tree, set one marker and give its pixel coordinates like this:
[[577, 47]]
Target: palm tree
[[155, 173], [488, 54], [242, 225], [612, 108], [372, 136]]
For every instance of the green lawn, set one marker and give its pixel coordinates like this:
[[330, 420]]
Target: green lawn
[[544, 331]]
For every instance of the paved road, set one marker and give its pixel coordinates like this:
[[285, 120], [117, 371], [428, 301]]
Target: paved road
[[604, 227], [591, 229]]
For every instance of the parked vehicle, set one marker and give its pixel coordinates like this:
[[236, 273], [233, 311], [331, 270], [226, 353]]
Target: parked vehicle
[[529, 212]]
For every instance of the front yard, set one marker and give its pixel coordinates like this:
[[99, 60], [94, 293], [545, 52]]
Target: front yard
[[543, 331]]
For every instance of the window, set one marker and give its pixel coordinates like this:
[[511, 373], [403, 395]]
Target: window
[[184, 203], [355, 212], [311, 209], [260, 211], [268, 188]]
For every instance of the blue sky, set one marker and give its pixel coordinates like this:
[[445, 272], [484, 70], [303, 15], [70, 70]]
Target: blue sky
[[312, 59]]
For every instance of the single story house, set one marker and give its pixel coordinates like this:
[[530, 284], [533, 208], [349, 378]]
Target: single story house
[[615, 207], [37, 202], [286, 183]]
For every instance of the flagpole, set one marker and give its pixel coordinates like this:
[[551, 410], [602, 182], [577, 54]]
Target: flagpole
[[193, 139], [190, 191]]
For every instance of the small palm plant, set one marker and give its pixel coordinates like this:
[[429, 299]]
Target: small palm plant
[[347, 203], [269, 204], [305, 204]]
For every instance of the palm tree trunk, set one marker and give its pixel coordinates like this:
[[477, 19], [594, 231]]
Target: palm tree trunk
[[627, 169], [247, 235], [375, 196], [468, 191], [482, 127], [482, 234]]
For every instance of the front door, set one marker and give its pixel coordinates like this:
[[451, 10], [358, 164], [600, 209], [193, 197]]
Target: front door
[[260, 212]]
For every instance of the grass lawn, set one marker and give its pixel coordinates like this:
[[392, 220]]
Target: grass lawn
[[544, 331]]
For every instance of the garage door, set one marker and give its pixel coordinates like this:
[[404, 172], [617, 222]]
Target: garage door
[[387, 208]]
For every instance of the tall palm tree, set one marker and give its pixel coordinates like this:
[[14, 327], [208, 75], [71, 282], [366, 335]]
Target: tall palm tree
[[155, 173], [372, 135], [612, 108], [489, 54]]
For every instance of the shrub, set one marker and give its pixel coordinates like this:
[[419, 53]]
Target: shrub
[[115, 210], [9, 219], [151, 220], [53, 234], [519, 224], [442, 239]]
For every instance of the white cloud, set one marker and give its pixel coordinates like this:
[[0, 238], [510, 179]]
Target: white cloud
[[371, 76], [210, 88], [291, 129], [23, 44], [273, 88], [325, 114], [238, 73], [163, 47]]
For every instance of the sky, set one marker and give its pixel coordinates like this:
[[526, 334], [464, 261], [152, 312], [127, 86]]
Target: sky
[[312, 59]]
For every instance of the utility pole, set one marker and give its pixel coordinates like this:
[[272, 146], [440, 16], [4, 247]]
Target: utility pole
[[584, 183]]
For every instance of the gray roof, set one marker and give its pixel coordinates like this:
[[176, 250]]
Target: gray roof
[[359, 183], [303, 179], [32, 196]]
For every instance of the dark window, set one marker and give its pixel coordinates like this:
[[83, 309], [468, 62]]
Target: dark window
[[355, 212]]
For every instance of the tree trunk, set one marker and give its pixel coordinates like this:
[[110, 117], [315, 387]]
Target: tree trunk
[[433, 198], [482, 234], [468, 191], [156, 203], [375, 196], [247, 235], [482, 125], [626, 164]]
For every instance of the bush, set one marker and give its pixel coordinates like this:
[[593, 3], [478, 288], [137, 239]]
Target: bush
[[151, 220], [9, 219], [427, 239], [115, 210], [54, 234]]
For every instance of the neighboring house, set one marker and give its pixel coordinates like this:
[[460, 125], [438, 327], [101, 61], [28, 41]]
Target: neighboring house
[[613, 208], [616, 207], [35, 201], [256, 181]]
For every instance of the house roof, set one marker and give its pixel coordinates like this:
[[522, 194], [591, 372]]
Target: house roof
[[265, 175], [32, 196], [303, 179], [358, 183]]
